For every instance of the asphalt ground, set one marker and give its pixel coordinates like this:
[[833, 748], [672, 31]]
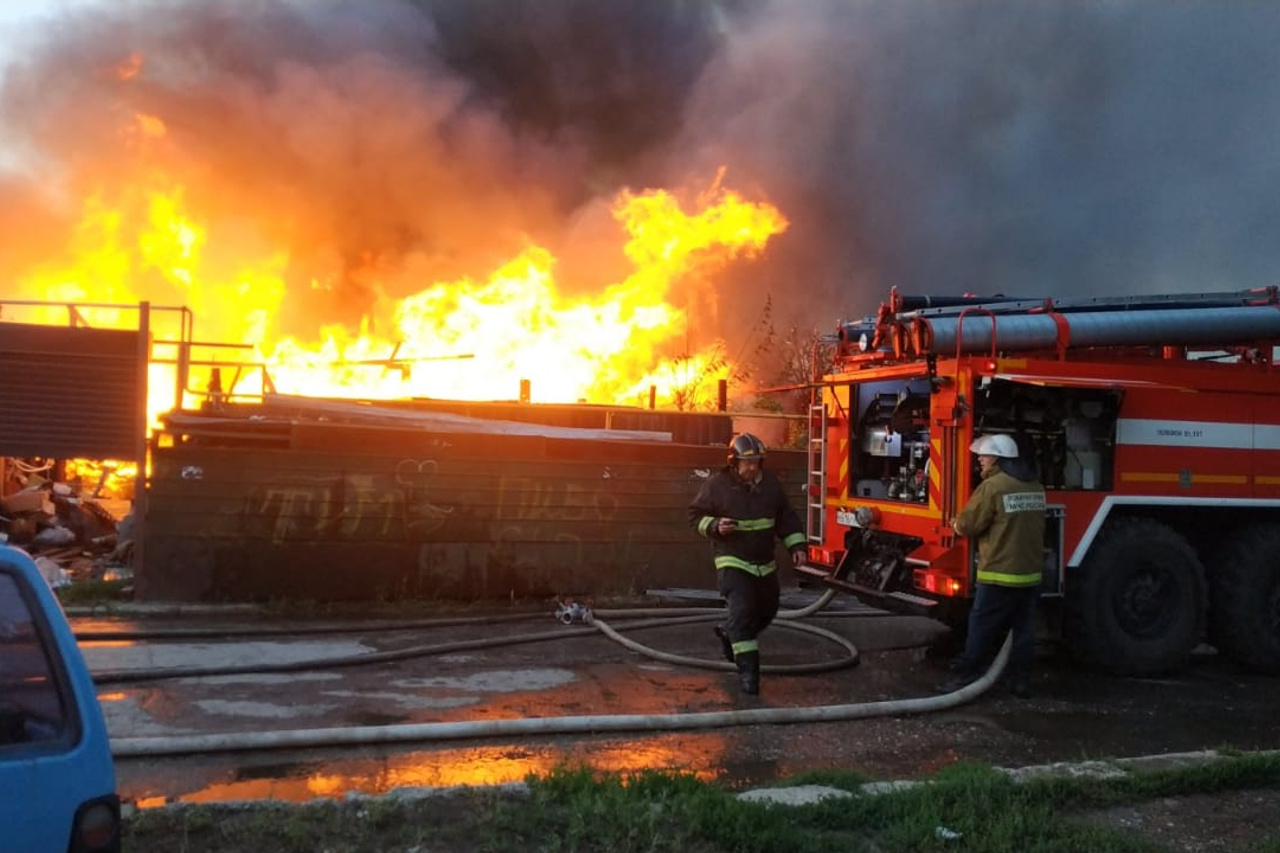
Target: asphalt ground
[[1074, 714]]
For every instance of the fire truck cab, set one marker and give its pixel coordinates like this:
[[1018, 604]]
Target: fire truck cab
[[1154, 422]]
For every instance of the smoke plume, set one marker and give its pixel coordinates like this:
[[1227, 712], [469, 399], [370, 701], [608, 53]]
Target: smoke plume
[[1088, 147]]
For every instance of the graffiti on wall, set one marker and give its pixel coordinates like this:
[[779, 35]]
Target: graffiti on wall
[[536, 523], [422, 515], [529, 500], [577, 519], [350, 507]]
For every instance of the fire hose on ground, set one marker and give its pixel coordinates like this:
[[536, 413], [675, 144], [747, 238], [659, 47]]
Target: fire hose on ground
[[659, 617], [588, 724], [114, 635], [583, 724]]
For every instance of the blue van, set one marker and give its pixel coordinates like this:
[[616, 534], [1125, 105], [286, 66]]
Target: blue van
[[57, 780]]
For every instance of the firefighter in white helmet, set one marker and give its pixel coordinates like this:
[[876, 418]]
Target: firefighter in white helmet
[[1005, 517], [743, 510]]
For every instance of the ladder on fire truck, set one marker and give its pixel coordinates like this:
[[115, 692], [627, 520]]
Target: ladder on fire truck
[[816, 487]]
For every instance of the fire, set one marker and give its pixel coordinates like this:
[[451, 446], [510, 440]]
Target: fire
[[470, 338], [110, 478], [149, 126]]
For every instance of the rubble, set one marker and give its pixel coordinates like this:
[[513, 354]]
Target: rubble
[[52, 572], [74, 534], [35, 500]]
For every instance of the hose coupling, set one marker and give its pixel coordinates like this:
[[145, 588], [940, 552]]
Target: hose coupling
[[570, 611]]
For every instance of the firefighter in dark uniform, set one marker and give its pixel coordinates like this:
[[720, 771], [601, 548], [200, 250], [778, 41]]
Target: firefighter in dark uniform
[[1006, 518], [741, 509]]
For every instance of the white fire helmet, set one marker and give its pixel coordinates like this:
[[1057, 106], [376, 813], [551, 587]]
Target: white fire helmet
[[995, 445]]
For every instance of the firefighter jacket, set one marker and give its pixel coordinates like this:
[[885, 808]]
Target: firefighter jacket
[[761, 511], [1005, 517]]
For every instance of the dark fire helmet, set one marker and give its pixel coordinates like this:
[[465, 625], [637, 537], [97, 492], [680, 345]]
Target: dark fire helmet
[[746, 446]]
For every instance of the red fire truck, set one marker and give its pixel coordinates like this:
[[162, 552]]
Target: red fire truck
[[1155, 423]]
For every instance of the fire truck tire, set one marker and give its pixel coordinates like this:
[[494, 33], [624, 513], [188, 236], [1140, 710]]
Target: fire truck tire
[[1138, 604], [1244, 598]]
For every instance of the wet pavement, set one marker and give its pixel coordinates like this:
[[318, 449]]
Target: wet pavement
[[1074, 715]]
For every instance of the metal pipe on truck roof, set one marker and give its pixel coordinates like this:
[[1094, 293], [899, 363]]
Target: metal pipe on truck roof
[[1159, 327], [1078, 304]]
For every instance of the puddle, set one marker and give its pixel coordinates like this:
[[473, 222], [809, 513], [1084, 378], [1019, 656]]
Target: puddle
[[373, 774]]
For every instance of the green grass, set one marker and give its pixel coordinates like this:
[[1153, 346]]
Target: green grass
[[573, 810], [87, 592]]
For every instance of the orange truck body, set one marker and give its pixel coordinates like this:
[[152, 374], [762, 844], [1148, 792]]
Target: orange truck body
[[1150, 419]]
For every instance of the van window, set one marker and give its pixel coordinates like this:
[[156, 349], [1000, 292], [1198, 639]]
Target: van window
[[33, 697]]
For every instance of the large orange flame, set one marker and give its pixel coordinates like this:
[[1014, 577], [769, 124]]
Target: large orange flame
[[473, 338]]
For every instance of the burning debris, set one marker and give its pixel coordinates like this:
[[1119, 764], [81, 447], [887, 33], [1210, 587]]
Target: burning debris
[[76, 528]]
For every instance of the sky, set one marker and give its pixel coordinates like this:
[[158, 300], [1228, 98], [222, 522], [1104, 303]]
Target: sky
[[1115, 146], [18, 15], [24, 10], [23, 20]]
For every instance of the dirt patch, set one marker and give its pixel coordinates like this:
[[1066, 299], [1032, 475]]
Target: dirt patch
[[1227, 822], [447, 822]]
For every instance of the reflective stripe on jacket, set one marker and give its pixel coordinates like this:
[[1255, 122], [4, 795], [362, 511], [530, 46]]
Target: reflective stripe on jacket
[[1006, 517], [761, 512]]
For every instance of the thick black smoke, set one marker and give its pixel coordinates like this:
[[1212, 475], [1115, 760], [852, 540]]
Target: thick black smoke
[[1050, 148], [613, 78], [1123, 146]]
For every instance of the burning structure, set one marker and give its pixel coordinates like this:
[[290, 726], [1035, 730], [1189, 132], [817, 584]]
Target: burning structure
[[321, 498], [421, 198], [336, 219]]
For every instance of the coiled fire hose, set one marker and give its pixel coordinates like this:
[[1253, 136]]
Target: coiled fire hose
[[785, 619], [585, 724], [507, 728], [658, 618]]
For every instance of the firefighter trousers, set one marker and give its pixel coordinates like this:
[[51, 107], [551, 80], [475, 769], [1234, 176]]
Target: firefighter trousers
[[996, 611], [753, 602]]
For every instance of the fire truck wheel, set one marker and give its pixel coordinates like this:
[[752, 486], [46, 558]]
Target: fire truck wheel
[[1245, 598], [1138, 604]]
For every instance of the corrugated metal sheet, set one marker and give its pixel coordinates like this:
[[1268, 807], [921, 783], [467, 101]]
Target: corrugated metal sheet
[[69, 392], [361, 513], [684, 427]]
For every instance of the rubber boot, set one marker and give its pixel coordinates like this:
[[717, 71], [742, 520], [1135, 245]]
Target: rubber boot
[[956, 682], [749, 672], [725, 645]]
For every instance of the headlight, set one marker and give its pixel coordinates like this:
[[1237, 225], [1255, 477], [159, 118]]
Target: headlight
[[866, 516], [97, 826]]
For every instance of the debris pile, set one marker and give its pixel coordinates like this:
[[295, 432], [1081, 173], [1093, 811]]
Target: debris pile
[[73, 532]]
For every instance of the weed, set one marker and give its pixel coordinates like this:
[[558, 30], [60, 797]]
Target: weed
[[89, 592], [574, 810]]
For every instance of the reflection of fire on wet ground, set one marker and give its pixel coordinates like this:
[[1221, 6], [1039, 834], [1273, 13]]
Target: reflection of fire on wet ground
[[301, 781], [576, 676]]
